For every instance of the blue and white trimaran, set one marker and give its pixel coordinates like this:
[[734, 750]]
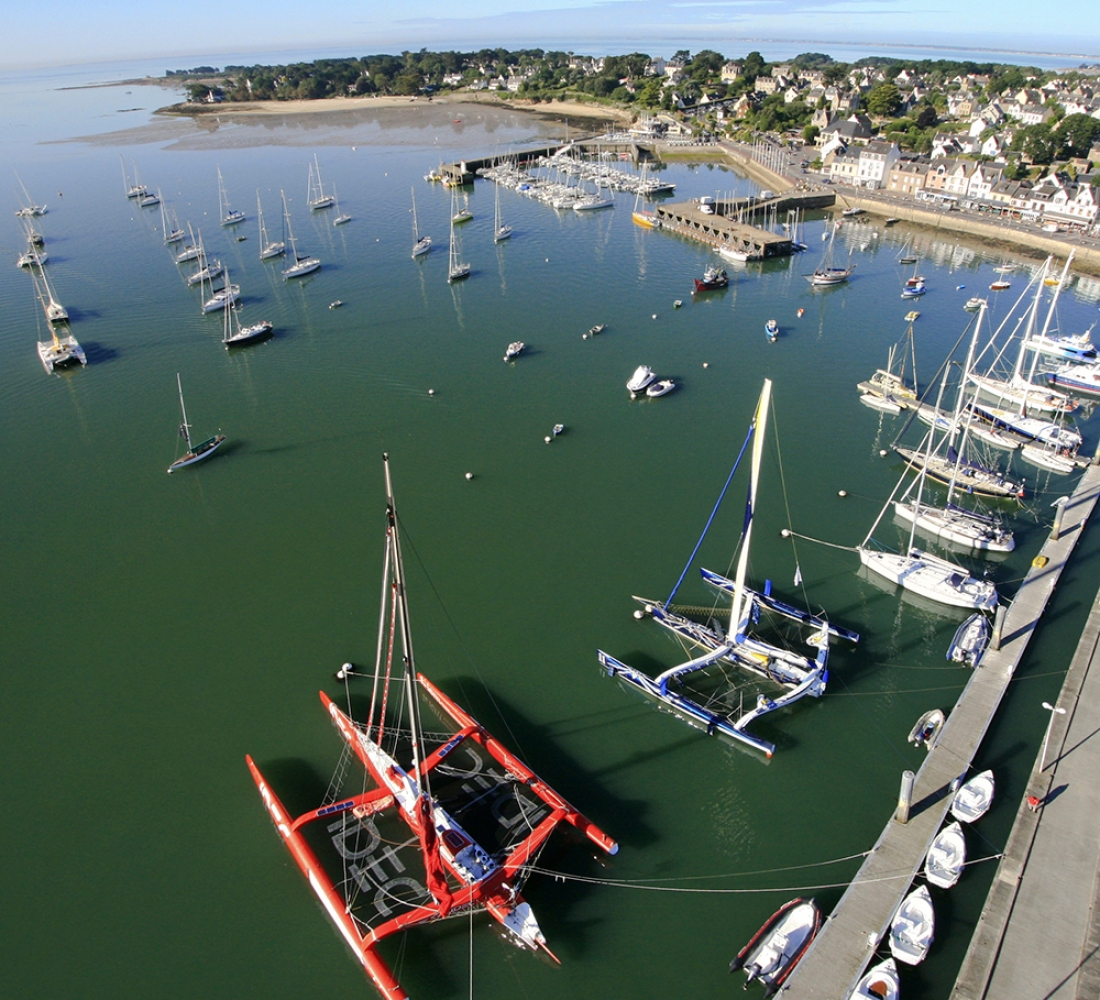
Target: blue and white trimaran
[[712, 706]]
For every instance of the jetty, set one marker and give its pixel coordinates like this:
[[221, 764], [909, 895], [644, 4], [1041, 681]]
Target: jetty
[[852, 933]]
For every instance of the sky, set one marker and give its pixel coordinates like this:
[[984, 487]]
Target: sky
[[79, 32]]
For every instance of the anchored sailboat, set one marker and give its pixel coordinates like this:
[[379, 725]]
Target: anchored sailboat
[[301, 265], [233, 334], [411, 829], [268, 247], [501, 232], [457, 270], [228, 215], [421, 244], [713, 705], [315, 195], [198, 452]]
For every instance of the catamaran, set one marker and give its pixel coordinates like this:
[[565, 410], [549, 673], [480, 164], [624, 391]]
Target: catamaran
[[61, 348], [229, 216], [198, 452], [713, 704], [302, 265], [447, 823], [421, 244]]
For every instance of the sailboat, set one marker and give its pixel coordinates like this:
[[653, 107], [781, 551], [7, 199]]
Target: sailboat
[[712, 703], [61, 349], [315, 193], [341, 217], [191, 250], [301, 266], [460, 215], [134, 188], [501, 232], [444, 824], [195, 453], [229, 216], [457, 270], [886, 384], [208, 267], [28, 208], [169, 224], [268, 247], [421, 244], [825, 274], [644, 217], [905, 255], [54, 310], [233, 334]]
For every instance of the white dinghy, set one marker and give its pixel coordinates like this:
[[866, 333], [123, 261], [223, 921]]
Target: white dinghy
[[775, 949], [973, 800], [880, 982], [946, 857], [912, 928]]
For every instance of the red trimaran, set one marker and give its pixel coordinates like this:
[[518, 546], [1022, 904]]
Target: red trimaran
[[508, 813]]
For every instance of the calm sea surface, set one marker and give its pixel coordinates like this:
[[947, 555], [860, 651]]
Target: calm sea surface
[[158, 628]]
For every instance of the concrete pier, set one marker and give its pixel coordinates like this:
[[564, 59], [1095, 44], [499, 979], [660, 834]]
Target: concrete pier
[[851, 934]]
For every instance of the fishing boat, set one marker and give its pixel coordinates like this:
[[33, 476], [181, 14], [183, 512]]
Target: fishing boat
[[421, 244], [501, 232], [640, 380], [912, 928], [913, 291], [302, 264], [235, 335], [268, 247], [972, 801], [228, 215], [457, 269], [444, 824], [713, 278], [514, 350], [706, 698], [1083, 379], [773, 951], [661, 388], [946, 857], [880, 982], [194, 453], [771, 330], [316, 196], [927, 729]]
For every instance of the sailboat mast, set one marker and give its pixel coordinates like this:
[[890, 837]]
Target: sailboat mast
[[416, 228], [400, 598], [963, 387], [760, 422], [185, 427]]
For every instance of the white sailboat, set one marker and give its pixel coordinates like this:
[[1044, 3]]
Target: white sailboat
[[54, 310], [826, 274], [208, 268], [28, 209], [228, 294], [457, 269], [421, 244], [133, 188], [315, 193], [228, 215], [191, 250], [341, 217], [169, 224], [501, 232], [233, 334], [61, 349], [716, 706], [268, 247], [194, 453], [301, 265]]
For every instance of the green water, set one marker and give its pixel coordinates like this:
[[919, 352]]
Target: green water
[[158, 628]]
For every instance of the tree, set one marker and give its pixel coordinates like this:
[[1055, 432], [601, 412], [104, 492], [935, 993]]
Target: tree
[[926, 116], [1039, 144], [1076, 134], [810, 134], [884, 100], [753, 66]]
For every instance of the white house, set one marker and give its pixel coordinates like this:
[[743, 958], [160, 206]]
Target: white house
[[875, 161]]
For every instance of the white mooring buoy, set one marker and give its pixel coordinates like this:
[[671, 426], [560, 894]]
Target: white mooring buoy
[[469, 475], [842, 493]]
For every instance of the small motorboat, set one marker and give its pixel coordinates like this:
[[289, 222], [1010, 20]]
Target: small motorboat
[[595, 331], [885, 403], [713, 278], [912, 928], [335, 305], [771, 330], [1000, 285], [801, 313], [970, 641], [776, 948], [850, 212], [974, 303], [891, 221], [913, 291], [912, 316], [662, 388], [880, 982], [946, 857], [558, 429], [973, 800], [641, 378], [676, 303], [514, 350], [927, 730]]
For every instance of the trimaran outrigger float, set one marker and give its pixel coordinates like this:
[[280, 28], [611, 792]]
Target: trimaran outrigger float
[[404, 826], [799, 675]]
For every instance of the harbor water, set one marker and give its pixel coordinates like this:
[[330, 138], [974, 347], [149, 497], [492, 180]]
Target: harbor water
[[157, 628]]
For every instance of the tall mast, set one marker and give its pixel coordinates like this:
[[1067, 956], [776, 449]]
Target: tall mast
[[760, 422], [185, 427]]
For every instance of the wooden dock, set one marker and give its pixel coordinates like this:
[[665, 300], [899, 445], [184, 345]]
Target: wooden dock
[[851, 935]]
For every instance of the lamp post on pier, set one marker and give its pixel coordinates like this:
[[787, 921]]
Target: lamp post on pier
[[1054, 710]]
